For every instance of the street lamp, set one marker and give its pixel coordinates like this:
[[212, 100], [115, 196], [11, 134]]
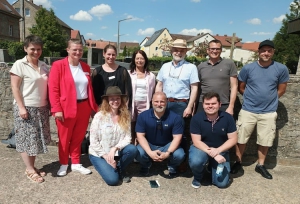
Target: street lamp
[[119, 32]]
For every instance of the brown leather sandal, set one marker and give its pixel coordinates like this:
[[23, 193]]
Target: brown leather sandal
[[35, 177], [38, 171]]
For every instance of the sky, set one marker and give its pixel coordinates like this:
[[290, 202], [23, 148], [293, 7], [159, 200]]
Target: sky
[[251, 20]]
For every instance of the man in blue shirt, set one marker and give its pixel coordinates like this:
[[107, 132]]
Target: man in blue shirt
[[179, 80], [159, 133], [213, 134], [261, 83]]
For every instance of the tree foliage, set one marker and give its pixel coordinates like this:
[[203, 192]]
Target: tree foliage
[[165, 44], [287, 45], [15, 49], [200, 49], [48, 28], [125, 52]]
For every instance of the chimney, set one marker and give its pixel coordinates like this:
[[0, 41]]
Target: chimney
[[225, 35]]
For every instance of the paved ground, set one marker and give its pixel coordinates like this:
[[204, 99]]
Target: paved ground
[[76, 188]]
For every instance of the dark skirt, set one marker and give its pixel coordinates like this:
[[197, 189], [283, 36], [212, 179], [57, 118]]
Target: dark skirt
[[32, 135]]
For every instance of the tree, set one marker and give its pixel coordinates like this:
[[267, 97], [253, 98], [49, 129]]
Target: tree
[[165, 44], [124, 53], [200, 49], [15, 49], [131, 50], [287, 45], [48, 28]]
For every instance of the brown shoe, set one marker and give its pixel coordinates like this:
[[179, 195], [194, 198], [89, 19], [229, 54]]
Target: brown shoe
[[182, 167]]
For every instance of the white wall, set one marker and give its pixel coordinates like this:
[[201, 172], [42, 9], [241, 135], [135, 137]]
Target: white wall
[[245, 56]]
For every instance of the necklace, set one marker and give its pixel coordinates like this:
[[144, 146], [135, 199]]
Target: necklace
[[172, 76]]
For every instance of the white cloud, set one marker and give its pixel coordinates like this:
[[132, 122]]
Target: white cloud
[[89, 34], [254, 21], [261, 33], [45, 3], [146, 32], [103, 27], [279, 19], [196, 1], [101, 10], [194, 31], [230, 22], [81, 16], [133, 18]]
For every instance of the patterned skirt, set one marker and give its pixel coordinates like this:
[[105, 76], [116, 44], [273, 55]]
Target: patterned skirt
[[32, 135]]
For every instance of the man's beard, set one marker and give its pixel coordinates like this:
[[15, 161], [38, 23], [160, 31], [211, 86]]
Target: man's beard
[[160, 109], [177, 58]]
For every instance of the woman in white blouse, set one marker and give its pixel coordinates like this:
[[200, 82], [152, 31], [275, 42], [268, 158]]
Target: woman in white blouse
[[143, 85], [110, 150]]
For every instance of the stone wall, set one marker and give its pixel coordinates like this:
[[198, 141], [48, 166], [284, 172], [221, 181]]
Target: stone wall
[[286, 145]]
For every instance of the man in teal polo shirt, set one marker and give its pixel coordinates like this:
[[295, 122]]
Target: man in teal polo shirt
[[159, 133]]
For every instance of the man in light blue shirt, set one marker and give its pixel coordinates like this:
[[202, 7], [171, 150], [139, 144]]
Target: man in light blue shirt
[[179, 80]]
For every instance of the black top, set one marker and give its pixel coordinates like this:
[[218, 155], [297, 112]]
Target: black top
[[102, 79]]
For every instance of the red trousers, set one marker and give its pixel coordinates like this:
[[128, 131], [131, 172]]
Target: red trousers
[[71, 133]]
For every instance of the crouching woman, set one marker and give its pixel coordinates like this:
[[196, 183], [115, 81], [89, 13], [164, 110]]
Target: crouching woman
[[110, 150]]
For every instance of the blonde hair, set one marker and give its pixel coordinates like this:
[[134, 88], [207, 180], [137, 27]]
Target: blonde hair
[[124, 115]]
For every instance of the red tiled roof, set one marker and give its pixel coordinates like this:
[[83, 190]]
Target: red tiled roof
[[253, 46], [98, 43], [74, 34], [5, 6], [225, 40], [129, 44]]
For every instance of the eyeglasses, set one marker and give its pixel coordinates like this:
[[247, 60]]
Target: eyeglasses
[[214, 49], [158, 124]]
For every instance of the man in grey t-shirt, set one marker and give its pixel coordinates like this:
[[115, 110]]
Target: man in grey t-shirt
[[218, 75]]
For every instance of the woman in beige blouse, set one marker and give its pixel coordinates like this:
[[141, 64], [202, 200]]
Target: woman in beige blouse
[[29, 78]]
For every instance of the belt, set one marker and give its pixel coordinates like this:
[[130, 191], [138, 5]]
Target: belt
[[81, 100], [177, 100]]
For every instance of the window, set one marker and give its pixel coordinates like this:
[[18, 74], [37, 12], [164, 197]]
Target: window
[[156, 48], [10, 30], [18, 10], [27, 12]]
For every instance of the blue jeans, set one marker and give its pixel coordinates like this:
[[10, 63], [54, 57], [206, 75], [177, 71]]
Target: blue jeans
[[174, 161], [107, 172], [178, 108], [197, 161]]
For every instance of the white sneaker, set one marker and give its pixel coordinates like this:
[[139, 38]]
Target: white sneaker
[[80, 169], [62, 170]]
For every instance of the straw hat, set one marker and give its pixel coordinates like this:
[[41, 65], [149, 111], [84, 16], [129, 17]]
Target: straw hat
[[180, 43]]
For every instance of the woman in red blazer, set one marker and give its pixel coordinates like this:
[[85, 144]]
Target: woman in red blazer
[[72, 102]]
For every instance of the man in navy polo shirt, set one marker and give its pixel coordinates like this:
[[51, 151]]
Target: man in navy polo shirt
[[159, 132], [213, 133]]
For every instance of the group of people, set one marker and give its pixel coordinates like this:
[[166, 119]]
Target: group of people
[[133, 117]]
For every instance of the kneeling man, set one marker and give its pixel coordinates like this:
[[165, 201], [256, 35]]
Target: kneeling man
[[213, 133], [159, 132]]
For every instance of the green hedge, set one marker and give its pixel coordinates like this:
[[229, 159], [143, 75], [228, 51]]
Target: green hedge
[[155, 63]]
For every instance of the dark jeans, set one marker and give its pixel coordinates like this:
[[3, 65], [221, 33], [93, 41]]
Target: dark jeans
[[174, 161], [108, 173], [178, 108], [197, 161]]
